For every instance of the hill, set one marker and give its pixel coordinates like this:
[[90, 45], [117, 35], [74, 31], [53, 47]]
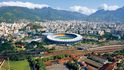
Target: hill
[[10, 14], [111, 16]]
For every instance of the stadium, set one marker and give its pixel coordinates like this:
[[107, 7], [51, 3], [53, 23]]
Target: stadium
[[64, 38]]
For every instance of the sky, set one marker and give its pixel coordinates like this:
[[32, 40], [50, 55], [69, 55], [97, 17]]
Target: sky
[[82, 6]]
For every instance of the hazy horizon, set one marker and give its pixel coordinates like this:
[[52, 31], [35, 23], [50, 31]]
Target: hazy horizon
[[85, 7]]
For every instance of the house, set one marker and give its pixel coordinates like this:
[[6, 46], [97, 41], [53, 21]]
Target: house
[[64, 60], [108, 66]]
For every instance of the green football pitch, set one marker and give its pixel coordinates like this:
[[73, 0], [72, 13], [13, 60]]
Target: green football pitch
[[16, 65]]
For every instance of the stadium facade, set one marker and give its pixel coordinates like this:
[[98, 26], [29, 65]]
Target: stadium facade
[[64, 38]]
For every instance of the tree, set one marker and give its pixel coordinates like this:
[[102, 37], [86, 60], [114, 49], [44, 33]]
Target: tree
[[7, 46], [32, 62], [17, 57], [72, 66], [40, 65]]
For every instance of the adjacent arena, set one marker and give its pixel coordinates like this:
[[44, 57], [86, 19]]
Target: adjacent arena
[[64, 38]]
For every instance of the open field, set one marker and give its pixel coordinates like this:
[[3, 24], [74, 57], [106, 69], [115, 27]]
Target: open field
[[16, 65]]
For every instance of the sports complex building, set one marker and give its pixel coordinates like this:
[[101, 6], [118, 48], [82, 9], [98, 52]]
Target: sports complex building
[[64, 38]]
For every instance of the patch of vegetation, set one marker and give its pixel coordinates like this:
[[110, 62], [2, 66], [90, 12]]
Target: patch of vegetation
[[72, 65], [109, 36], [17, 57], [16, 65], [36, 64], [6, 46], [55, 57], [120, 66], [19, 65]]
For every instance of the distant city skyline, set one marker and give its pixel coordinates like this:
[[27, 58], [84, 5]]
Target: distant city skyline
[[83, 6]]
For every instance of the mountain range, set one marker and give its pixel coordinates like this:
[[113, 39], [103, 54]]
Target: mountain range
[[11, 14]]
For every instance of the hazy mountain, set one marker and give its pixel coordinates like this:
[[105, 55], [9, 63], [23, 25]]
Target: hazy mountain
[[113, 16], [11, 14]]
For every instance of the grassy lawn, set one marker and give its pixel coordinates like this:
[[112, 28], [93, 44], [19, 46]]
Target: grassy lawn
[[16, 65]]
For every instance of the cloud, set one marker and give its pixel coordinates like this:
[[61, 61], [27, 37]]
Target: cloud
[[58, 8], [83, 10], [109, 7], [23, 4], [89, 11]]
